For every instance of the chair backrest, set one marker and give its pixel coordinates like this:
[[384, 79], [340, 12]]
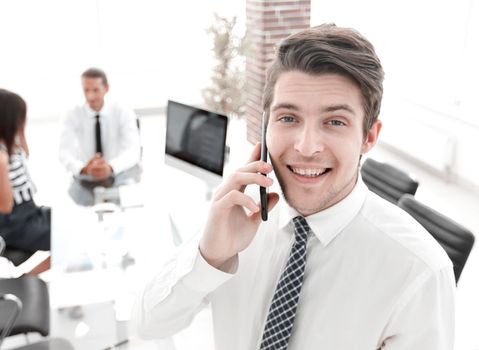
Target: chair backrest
[[387, 181], [456, 240], [10, 321], [35, 314]]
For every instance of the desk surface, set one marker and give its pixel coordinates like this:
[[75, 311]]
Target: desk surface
[[100, 265], [77, 236]]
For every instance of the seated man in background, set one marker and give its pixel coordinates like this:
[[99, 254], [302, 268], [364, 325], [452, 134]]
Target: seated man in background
[[100, 143]]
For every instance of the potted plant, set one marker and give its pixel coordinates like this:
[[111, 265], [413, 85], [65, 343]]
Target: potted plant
[[226, 94]]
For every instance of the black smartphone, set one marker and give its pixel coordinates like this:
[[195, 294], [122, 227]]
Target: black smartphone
[[263, 191]]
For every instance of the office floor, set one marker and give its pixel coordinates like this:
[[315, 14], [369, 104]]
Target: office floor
[[451, 199]]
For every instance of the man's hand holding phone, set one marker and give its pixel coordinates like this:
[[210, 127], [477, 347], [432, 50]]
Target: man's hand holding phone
[[234, 216]]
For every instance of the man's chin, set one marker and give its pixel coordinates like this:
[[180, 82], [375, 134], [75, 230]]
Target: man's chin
[[300, 206], [321, 200], [94, 107]]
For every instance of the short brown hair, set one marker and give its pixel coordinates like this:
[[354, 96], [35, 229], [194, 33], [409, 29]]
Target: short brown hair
[[95, 73], [330, 49], [13, 114]]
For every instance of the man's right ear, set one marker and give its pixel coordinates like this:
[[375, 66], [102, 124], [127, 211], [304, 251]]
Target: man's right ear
[[372, 137]]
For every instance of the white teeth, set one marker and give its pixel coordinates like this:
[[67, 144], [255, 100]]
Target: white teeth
[[308, 172]]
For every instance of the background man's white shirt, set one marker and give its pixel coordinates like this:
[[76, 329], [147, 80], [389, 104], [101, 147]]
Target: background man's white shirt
[[119, 132]]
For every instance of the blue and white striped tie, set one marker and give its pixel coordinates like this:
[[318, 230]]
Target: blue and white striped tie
[[285, 300]]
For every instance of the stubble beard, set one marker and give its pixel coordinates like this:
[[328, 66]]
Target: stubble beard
[[326, 200]]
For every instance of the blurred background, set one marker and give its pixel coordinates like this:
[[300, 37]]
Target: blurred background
[[153, 51]]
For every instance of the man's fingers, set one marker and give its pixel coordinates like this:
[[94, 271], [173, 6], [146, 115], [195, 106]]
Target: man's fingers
[[273, 199], [256, 167], [235, 198], [250, 174], [100, 172], [238, 181], [256, 153]]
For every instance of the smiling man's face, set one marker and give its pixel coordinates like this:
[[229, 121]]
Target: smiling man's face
[[315, 138]]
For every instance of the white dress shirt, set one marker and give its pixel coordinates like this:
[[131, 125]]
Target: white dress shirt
[[374, 279], [119, 134]]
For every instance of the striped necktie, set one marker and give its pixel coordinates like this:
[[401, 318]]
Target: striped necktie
[[285, 300]]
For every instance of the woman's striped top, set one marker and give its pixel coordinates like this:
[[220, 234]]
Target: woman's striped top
[[23, 187]]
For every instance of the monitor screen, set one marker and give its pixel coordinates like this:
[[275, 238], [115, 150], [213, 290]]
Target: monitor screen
[[196, 136]]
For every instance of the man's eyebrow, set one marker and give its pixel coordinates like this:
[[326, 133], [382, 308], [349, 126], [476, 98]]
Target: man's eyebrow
[[334, 108], [285, 106], [328, 109]]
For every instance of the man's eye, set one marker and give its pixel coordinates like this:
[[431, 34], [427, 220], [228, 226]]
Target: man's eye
[[287, 119], [336, 123]]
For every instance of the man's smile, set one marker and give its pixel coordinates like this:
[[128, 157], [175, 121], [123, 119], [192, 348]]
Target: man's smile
[[308, 172]]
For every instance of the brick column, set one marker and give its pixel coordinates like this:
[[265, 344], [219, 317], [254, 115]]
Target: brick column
[[268, 22]]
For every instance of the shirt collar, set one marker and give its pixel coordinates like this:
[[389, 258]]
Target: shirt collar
[[328, 223], [101, 113]]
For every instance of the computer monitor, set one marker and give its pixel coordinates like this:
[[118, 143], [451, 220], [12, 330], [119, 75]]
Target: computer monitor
[[196, 141]]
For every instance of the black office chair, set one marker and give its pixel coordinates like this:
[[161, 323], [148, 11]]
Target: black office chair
[[10, 321], [29, 295], [35, 314], [387, 181], [456, 240]]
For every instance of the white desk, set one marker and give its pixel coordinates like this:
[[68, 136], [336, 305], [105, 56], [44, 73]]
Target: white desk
[[87, 268], [76, 230]]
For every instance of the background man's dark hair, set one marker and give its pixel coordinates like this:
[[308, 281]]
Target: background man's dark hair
[[95, 73], [13, 114], [330, 49]]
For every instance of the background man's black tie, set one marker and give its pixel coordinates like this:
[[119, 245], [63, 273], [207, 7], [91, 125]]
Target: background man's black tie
[[98, 145], [285, 300]]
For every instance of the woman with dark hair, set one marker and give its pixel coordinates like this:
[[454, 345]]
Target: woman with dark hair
[[23, 225]]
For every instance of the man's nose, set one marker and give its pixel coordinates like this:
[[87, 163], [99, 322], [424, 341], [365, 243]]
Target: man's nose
[[89, 96], [309, 142]]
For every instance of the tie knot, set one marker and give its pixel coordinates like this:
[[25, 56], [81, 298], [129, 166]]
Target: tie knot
[[301, 229], [97, 117]]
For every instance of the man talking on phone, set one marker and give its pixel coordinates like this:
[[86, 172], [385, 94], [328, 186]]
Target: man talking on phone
[[335, 266]]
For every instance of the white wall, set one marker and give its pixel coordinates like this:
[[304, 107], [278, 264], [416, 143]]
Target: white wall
[[155, 50], [151, 50], [430, 53]]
